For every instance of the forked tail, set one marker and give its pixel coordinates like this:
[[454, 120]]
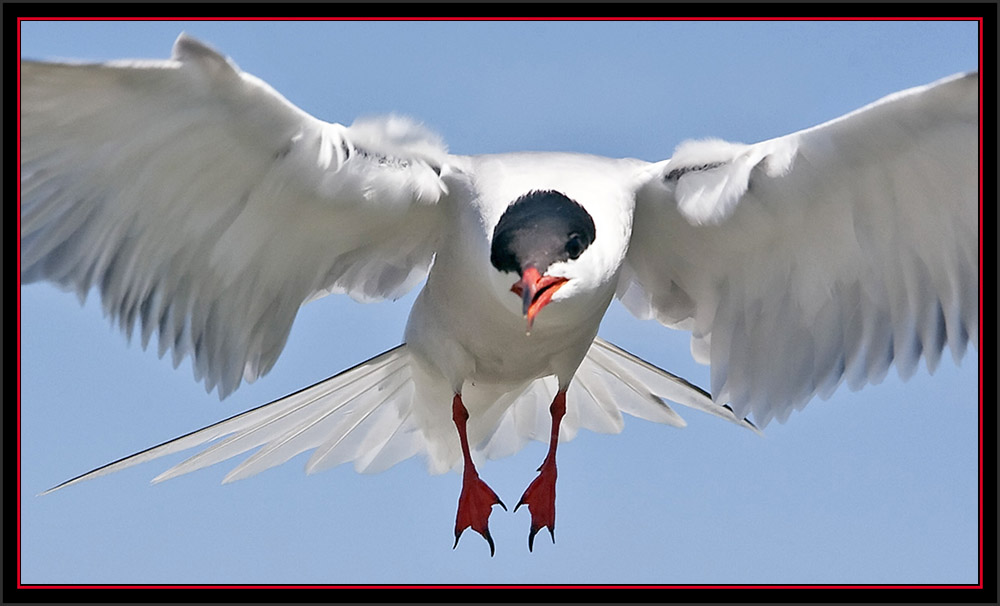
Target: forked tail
[[364, 415]]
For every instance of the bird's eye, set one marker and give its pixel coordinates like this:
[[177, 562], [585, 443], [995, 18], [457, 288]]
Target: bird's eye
[[574, 246]]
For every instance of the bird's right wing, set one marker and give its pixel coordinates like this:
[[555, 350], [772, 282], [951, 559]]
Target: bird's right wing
[[206, 207]]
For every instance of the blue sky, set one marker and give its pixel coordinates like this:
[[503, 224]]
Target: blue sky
[[876, 486]]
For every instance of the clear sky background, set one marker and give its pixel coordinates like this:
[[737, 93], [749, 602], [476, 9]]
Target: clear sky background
[[876, 486]]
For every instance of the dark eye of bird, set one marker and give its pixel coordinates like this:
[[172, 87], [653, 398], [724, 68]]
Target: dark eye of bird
[[574, 246]]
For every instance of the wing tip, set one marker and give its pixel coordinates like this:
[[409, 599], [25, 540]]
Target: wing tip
[[188, 49]]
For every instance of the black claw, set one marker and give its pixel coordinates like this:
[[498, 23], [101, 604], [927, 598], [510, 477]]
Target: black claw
[[534, 531], [500, 503], [489, 539], [486, 535]]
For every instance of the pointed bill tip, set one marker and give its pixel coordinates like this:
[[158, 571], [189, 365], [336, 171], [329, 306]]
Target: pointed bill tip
[[536, 291]]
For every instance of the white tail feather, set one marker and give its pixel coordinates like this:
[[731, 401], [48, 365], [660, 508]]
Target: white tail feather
[[365, 415]]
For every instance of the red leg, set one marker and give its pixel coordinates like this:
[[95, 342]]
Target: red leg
[[477, 499], [540, 497]]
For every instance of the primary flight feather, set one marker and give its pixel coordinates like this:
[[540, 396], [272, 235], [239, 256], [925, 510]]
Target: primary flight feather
[[207, 209]]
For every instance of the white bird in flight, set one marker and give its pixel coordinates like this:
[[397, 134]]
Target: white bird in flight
[[207, 208]]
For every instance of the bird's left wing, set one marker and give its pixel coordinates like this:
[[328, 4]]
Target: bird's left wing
[[822, 255], [206, 207]]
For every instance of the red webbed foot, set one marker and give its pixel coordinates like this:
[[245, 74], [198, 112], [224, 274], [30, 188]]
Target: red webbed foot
[[474, 507], [540, 497], [477, 499]]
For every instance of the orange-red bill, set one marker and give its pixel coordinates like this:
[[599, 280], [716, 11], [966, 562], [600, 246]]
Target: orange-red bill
[[536, 291]]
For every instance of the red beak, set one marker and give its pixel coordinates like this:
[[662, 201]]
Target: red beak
[[536, 291]]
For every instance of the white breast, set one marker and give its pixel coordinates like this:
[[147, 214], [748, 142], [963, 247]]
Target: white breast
[[469, 324]]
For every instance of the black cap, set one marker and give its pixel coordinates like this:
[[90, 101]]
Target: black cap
[[540, 228]]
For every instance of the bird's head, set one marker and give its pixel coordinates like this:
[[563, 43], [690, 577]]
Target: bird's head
[[541, 237]]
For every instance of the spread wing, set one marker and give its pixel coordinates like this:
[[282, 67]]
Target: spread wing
[[818, 257], [206, 207]]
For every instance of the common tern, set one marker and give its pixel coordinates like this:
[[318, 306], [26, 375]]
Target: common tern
[[207, 208]]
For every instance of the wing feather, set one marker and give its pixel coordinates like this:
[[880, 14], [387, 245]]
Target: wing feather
[[820, 256], [206, 208]]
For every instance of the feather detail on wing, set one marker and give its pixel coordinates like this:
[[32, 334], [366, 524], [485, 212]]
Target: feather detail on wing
[[821, 256], [375, 416], [207, 208]]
